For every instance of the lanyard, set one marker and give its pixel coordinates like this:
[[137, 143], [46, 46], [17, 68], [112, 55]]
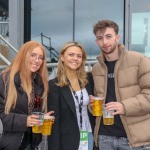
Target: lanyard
[[80, 102]]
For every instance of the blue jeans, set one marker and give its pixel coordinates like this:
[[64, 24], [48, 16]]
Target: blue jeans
[[90, 141], [115, 143]]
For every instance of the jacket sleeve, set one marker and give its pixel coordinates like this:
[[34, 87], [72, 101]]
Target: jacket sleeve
[[140, 104], [91, 84], [12, 121], [54, 104]]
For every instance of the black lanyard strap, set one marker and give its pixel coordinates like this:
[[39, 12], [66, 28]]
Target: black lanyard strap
[[80, 102], [80, 105]]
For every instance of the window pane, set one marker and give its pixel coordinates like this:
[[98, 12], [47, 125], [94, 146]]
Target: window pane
[[140, 23], [88, 13], [55, 20]]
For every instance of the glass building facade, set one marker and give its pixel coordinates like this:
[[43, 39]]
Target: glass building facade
[[68, 20], [54, 22]]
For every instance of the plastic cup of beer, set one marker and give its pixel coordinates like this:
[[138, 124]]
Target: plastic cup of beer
[[97, 106], [47, 125], [108, 118], [37, 128]]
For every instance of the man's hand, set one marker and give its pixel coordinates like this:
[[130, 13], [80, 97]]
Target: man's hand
[[116, 106]]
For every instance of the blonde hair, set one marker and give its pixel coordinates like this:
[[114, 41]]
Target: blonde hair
[[20, 64], [81, 73]]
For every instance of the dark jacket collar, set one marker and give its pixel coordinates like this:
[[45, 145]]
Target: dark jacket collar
[[66, 92], [37, 83]]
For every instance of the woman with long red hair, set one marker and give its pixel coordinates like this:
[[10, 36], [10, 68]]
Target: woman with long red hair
[[23, 89]]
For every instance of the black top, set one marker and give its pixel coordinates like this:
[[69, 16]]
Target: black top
[[117, 129], [16, 133]]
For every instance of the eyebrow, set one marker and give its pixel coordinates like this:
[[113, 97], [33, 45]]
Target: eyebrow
[[103, 35], [36, 54], [74, 53]]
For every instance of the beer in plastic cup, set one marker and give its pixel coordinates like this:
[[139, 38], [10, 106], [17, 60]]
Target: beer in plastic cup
[[37, 128], [108, 118], [47, 125], [97, 106]]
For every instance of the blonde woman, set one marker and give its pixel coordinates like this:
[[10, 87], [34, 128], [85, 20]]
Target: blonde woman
[[69, 97], [23, 89]]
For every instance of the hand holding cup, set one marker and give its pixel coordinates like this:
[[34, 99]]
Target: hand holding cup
[[38, 118]]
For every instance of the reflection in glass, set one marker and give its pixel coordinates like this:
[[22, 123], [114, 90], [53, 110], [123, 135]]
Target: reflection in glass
[[66, 20], [140, 21]]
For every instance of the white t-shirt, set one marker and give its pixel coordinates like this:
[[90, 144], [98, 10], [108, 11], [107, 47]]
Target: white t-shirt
[[86, 126]]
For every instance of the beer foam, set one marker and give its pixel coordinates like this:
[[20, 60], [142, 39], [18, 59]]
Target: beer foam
[[48, 117]]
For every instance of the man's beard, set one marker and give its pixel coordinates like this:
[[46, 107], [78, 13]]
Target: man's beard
[[111, 50]]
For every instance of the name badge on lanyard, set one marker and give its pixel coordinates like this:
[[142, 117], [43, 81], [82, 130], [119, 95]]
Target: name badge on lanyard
[[83, 140]]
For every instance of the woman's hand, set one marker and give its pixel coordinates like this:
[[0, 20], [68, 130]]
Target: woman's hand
[[50, 114], [32, 120]]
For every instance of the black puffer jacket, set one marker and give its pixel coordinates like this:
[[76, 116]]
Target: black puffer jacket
[[16, 132]]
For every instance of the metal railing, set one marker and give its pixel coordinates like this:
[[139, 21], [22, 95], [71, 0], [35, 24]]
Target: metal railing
[[50, 66], [7, 43], [53, 53], [4, 28], [4, 42], [4, 59], [88, 68]]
